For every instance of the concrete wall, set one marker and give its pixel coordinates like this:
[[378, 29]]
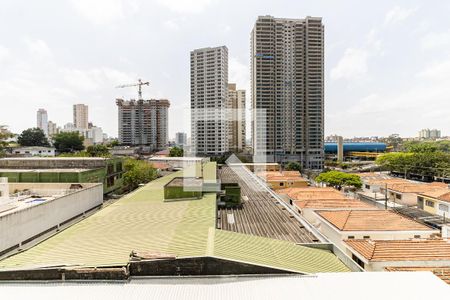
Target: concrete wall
[[19, 226], [55, 163], [380, 266]]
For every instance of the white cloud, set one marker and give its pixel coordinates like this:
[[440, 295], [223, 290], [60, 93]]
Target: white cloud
[[352, 65], [103, 12], [38, 47], [436, 71], [436, 40], [398, 14], [171, 25], [4, 53], [186, 6], [96, 78]]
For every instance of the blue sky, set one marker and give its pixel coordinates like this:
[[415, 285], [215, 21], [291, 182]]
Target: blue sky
[[387, 63]]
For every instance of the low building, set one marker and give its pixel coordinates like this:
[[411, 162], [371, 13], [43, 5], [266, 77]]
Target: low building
[[65, 169], [442, 272], [406, 193], [33, 151], [178, 162], [436, 202], [308, 200], [30, 212], [343, 225], [258, 167], [283, 179], [377, 255]]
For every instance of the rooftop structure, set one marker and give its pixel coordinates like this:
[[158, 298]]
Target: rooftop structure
[[261, 214], [284, 179], [178, 162], [376, 255], [442, 272], [163, 238], [30, 212], [325, 286]]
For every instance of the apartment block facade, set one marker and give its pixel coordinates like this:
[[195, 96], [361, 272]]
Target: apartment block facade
[[80, 116], [209, 91], [236, 118], [144, 122], [287, 63], [42, 120]]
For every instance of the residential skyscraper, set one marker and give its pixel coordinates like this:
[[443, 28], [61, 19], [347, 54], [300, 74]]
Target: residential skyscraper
[[287, 62], [52, 128], [42, 120], [181, 138], [209, 88], [80, 116], [144, 122], [236, 106]]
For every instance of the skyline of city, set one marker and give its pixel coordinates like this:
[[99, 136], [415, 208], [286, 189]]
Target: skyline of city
[[355, 89]]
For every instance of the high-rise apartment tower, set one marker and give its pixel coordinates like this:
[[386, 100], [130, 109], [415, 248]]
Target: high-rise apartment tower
[[209, 89], [287, 62], [80, 116], [236, 113], [42, 120], [144, 122]]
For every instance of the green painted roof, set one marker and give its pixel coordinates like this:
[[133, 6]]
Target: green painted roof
[[143, 221]]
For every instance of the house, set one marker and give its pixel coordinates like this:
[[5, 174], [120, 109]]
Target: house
[[406, 193], [33, 151], [283, 179], [341, 225], [378, 255], [435, 202]]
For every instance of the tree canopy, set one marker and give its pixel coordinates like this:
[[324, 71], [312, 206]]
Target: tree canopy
[[98, 151], [68, 142], [176, 152], [4, 135], [339, 179], [137, 172], [293, 166], [33, 137]]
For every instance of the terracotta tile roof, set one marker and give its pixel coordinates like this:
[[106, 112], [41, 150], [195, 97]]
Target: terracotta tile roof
[[311, 193], [416, 187], [388, 181], [332, 203], [440, 194], [442, 272], [281, 176], [370, 220], [402, 250]]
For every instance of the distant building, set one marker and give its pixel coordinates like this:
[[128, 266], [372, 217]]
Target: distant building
[[80, 116], [52, 128], [42, 120], [236, 118], [144, 122], [181, 138], [209, 88], [429, 133], [287, 63], [34, 151]]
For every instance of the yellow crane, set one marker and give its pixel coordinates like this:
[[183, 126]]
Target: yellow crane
[[139, 84]]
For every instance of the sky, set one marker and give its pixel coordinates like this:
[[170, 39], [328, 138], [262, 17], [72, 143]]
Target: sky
[[387, 63]]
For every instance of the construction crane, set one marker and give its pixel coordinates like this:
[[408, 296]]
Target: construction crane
[[139, 84]]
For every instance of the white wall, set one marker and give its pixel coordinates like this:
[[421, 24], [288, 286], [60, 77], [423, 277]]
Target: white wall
[[21, 225]]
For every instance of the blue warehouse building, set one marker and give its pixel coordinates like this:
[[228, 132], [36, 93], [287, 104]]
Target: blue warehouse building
[[331, 148]]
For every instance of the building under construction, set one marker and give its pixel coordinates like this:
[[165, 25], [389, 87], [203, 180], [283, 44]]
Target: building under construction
[[143, 122]]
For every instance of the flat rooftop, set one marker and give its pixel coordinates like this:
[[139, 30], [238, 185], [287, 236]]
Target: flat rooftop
[[261, 214], [371, 220], [185, 181], [142, 221], [441, 272], [68, 170], [167, 158], [402, 250]]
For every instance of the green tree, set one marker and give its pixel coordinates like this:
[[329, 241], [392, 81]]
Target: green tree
[[113, 143], [137, 172], [4, 135], [33, 137], [98, 151], [176, 152], [68, 142], [293, 166], [339, 179]]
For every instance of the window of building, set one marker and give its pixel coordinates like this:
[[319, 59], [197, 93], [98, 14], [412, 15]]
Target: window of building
[[367, 186], [281, 183], [398, 196], [429, 203], [358, 261], [417, 236], [443, 207], [366, 237], [351, 237]]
